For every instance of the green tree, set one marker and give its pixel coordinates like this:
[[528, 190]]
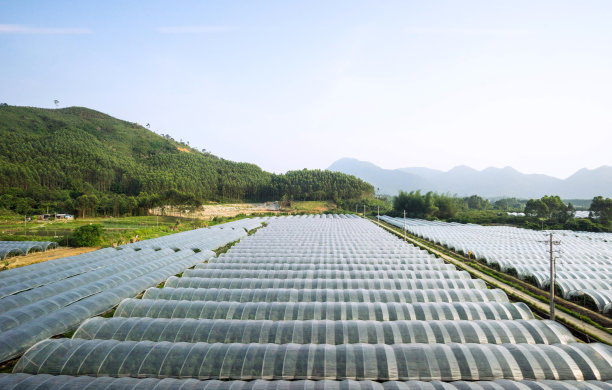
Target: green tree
[[557, 210], [430, 205], [476, 202], [87, 235], [536, 208], [87, 205], [601, 208]]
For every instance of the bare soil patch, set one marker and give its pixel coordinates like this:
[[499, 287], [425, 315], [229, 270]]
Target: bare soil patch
[[231, 210], [209, 211], [51, 254]]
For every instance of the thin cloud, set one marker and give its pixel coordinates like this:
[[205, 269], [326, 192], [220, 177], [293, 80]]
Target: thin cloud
[[465, 31], [23, 29], [193, 29]]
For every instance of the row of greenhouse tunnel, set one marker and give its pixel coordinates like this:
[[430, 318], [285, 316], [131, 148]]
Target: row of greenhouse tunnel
[[583, 259], [320, 302]]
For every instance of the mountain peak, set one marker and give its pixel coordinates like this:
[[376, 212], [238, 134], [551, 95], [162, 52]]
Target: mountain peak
[[462, 169], [490, 182]]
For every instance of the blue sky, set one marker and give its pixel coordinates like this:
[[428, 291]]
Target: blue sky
[[291, 85]]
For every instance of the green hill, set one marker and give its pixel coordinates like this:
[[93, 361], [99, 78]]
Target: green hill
[[77, 159]]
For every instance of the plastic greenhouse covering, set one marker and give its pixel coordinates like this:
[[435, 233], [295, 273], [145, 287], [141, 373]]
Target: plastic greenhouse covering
[[63, 382], [126, 265], [14, 248], [584, 262], [323, 274], [54, 297], [15, 341], [17, 281], [24, 312], [329, 267], [306, 303], [325, 332], [55, 265], [325, 295], [321, 259], [596, 299], [566, 287], [204, 238], [368, 284], [541, 279], [279, 311], [446, 362]]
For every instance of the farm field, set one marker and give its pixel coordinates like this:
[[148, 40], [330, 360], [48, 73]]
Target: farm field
[[117, 230], [583, 260], [120, 230], [51, 298], [319, 302]]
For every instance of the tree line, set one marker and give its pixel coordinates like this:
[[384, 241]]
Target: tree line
[[432, 205], [546, 212], [551, 212]]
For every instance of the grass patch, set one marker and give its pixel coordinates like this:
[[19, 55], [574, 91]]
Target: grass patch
[[111, 312], [117, 231], [225, 247]]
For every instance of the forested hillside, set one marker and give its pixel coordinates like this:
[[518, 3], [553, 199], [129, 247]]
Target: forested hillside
[[79, 160]]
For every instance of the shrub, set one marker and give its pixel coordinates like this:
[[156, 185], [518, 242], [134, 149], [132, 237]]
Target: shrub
[[87, 235]]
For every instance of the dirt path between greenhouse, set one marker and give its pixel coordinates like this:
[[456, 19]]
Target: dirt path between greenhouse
[[51, 254], [514, 293]]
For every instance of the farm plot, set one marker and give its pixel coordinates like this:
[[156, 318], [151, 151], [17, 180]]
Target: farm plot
[[291, 322], [52, 298]]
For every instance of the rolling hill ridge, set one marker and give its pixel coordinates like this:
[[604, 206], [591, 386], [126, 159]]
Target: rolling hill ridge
[[490, 182], [79, 159]]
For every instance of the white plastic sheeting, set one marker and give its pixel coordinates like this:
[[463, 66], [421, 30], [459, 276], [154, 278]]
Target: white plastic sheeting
[[14, 248], [325, 295], [54, 297], [324, 332], [325, 298], [381, 362], [583, 265], [369, 284], [54, 382]]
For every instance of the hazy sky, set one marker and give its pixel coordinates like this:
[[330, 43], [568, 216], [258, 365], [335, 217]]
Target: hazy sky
[[299, 84]]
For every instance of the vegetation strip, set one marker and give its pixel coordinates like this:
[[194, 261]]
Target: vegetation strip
[[585, 325]]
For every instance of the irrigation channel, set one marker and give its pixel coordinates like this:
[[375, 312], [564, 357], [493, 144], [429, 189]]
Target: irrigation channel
[[318, 302]]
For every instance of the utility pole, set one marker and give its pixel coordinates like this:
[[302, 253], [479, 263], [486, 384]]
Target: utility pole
[[364, 210], [405, 239], [551, 243], [378, 215]]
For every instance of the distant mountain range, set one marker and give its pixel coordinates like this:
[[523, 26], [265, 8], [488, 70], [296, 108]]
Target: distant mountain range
[[490, 182]]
